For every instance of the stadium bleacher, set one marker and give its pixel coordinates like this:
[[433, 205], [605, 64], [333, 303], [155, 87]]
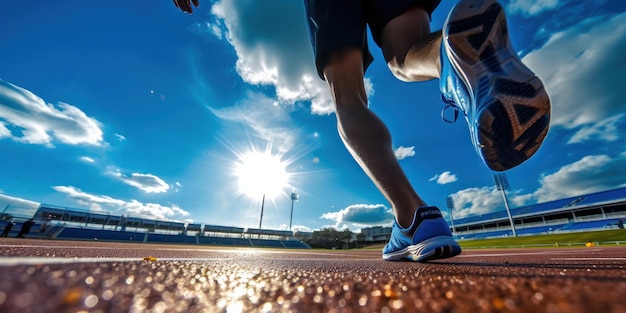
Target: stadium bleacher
[[596, 211], [99, 234], [267, 243], [73, 224], [296, 244], [224, 241], [489, 234], [539, 229], [599, 224], [164, 238]]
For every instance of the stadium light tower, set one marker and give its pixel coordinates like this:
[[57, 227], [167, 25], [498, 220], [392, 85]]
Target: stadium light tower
[[262, 206], [294, 197], [502, 183], [450, 203]]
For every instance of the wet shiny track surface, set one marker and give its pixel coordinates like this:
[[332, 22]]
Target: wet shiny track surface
[[63, 276]]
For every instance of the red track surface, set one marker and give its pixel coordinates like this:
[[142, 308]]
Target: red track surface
[[63, 276]]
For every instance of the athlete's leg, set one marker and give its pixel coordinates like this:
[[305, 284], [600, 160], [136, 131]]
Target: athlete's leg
[[366, 136], [410, 49], [504, 103]]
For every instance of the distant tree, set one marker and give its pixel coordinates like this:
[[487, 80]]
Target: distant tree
[[329, 238]]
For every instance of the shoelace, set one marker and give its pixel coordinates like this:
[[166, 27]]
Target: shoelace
[[449, 105]]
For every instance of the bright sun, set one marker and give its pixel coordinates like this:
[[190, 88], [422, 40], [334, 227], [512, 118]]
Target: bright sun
[[261, 173]]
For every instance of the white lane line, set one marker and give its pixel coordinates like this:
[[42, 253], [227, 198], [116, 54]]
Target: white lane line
[[152, 246], [72, 247], [13, 261], [148, 247], [552, 252], [589, 259], [233, 250]]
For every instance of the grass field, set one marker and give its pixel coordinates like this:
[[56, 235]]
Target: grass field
[[602, 237]]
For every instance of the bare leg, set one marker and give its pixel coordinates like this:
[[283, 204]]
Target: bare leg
[[410, 49], [412, 54], [366, 136]]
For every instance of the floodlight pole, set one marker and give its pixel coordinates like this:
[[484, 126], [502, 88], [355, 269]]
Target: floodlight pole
[[262, 205], [294, 197], [450, 203], [502, 183]]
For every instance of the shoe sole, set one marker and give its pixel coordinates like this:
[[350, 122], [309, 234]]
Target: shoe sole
[[511, 115], [441, 247]]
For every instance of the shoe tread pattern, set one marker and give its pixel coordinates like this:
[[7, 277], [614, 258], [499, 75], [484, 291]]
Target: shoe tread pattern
[[513, 109]]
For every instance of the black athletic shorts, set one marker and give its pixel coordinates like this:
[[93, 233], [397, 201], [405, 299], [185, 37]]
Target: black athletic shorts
[[335, 25]]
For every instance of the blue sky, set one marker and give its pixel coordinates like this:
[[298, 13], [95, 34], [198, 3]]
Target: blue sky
[[133, 107]]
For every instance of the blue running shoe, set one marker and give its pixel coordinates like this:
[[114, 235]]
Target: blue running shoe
[[504, 103], [428, 238]]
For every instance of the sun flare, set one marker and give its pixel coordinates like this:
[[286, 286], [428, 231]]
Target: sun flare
[[261, 173]]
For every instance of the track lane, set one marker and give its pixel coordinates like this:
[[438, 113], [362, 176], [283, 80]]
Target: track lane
[[58, 276]]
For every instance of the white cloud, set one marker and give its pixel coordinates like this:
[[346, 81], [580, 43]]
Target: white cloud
[[605, 130], [120, 137], [87, 160], [404, 152], [590, 174], [581, 68], [361, 214], [132, 207], [369, 87], [154, 210], [272, 44], [301, 228], [476, 201], [94, 202], [147, 182], [532, 7], [26, 118], [444, 178], [4, 131]]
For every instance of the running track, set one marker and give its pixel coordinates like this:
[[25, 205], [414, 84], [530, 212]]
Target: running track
[[65, 276]]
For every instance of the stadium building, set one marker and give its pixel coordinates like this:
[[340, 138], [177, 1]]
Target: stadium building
[[54, 222], [595, 211]]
